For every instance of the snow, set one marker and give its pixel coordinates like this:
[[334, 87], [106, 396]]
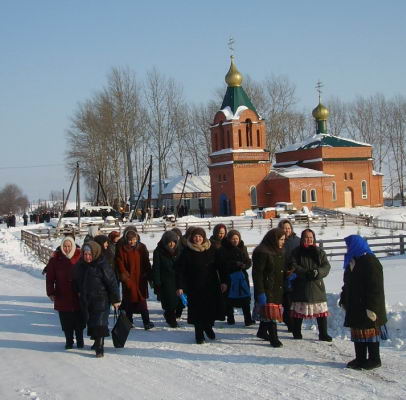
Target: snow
[[230, 150], [229, 113], [164, 363], [297, 172]]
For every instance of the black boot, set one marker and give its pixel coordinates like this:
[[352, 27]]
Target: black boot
[[68, 340], [360, 356], [230, 315], [145, 319], [179, 310], [79, 339], [263, 331], [297, 328], [273, 335], [171, 319], [208, 330], [99, 347], [323, 335], [248, 321], [374, 359], [199, 336]]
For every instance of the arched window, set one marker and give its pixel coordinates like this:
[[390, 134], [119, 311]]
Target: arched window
[[364, 192], [303, 196], [313, 195], [333, 191], [219, 178], [228, 139], [239, 138], [221, 136], [253, 195], [351, 176], [214, 142], [248, 129], [224, 178], [345, 176], [258, 139]]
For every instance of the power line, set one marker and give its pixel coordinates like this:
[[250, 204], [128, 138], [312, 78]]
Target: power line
[[34, 166]]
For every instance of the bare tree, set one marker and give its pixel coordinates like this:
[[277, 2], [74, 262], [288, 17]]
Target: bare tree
[[12, 200], [337, 122]]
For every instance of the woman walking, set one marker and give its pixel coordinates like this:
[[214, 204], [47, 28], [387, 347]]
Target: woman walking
[[267, 274], [98, 289], [309, 299], [233, 262], [59, 278], [197, 275], [363, 299], [163, 271]]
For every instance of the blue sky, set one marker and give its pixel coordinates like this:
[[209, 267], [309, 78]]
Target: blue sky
[[54, 54]]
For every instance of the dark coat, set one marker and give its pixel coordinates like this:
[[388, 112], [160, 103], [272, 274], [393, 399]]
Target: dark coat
[[231, 259], [364, 290], [306, 288], [134, 270], [163, 271], [197, 275], [215, 242], [268, 273], [291, 243], [98, 289], [59, 280]]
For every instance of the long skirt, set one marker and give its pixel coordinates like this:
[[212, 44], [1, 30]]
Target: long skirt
[[369, 335], [308, 310], [268, 312]]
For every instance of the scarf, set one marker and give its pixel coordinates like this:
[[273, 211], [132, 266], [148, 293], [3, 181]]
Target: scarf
[[356, 247], [199, 247], [73, 249]]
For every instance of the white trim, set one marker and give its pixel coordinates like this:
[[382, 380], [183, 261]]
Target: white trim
[[221, 163], [301, 196], [364, 195], [230, 150], [312, 160], [315, 195]]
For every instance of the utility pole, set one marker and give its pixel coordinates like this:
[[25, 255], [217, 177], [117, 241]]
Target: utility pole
[[181, 195]]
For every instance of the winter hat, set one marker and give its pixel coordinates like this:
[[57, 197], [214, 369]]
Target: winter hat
[[94, 248], [271, 238], [131, 234], [356, 247], [233, 232], [217, 228], [101, 239], [113, 235], [169, 236], [73, 249], [198, 231], [177, 231]]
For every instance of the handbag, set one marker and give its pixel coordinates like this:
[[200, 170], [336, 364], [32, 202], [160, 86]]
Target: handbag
[[121, 329], [239, 287]]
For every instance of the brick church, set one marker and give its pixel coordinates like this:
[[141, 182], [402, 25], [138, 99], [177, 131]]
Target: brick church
[[323, 170]]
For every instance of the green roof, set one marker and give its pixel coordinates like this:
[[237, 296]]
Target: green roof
[[332, 141], [235, 97]]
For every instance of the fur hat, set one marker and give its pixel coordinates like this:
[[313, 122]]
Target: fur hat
[[198, 231], [233, 232], [94, 248]]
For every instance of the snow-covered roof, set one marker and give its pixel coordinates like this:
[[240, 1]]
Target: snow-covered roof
[[377, 173], [194, 184], [322, 140], [230, 150], [296, 172], [229, 113]]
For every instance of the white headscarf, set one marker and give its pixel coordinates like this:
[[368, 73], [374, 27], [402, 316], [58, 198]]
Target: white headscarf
[[72, 241]]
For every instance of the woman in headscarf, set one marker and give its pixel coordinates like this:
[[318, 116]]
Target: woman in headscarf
[[59, 287], [197, 275], [134, 270], [219, 233], [363, 299], [233, 262], [97, 287], [163, 271], [267, 274]]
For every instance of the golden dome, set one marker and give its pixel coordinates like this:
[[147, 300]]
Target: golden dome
[[320, 113], [233, 77]]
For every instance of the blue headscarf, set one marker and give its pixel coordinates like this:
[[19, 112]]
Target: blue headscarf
[[356, 247]]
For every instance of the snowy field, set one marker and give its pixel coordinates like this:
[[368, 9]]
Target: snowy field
[[164, 363]]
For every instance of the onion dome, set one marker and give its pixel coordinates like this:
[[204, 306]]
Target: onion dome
[[233, 77], [320, 113]]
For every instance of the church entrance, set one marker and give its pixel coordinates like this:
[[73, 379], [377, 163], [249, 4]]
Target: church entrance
[[348, 198], [225, 209]]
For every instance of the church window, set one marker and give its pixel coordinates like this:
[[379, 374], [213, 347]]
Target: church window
[[303, 196], [228, 139], [351, 176], [364, 189], [221, 136], [239, 138], [345, 176], [258, 139], [224, 178], [214, 142], [313, 195], [248, 129], [334, 191], [219, 178], [253, 196]]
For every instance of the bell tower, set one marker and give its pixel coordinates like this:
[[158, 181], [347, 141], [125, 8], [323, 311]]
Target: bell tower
[[238, 162]]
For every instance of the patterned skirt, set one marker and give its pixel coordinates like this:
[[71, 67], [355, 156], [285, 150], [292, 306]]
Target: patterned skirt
[[369, 335], [268, 312], [308, 310]]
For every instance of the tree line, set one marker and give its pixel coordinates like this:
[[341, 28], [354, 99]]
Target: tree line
[[12, 200], [116, 130]]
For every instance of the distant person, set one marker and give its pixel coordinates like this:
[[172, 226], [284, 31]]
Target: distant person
[[197, 276], [268, 274], [25, 219], [291, 242], [363, 299], [163, 271], [202, 210], [233, 262], [309, 299], [98, 290], [59, 277]]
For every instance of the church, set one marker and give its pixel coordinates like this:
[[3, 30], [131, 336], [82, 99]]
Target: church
[[323, 170]]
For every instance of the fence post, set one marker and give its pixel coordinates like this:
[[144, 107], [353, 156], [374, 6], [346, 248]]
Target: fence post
[[232, 224], [321, 244], [271, 221], [252, 223], [209, 226], [343, 218], [402, 244]]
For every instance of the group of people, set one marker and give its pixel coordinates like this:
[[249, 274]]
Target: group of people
[[209, 276]]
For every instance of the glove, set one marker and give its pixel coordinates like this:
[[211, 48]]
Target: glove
[[291, 277], [261, 299], [183, 298], [371, 315]]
